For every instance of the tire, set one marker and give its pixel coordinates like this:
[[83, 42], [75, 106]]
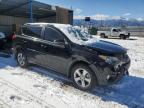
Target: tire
[[83, 78], [102, 35], [123, 37], [128, 35], [21, 59]]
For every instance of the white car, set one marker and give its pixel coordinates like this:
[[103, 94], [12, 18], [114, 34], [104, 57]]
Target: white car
[[2, 35], [114, 32]]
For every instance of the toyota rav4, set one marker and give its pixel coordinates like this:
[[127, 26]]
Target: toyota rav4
[[84, 59]]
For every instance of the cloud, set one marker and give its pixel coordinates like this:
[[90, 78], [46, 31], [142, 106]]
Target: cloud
[[115, 17], [79, 17], [140, 19], [78, 11], [127, 14], [100, 17]]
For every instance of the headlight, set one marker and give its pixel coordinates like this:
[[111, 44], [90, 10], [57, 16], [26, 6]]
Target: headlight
[[109, 59]]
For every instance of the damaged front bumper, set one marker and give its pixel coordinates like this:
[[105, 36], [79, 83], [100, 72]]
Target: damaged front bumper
[[107, 74]]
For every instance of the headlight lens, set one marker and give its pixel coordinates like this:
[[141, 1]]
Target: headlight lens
[[109, 59]]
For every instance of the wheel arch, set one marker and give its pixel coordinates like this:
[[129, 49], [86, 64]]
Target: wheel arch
[[81, 62], [17, 47], [74, 64], [121, 35], [102, 34]]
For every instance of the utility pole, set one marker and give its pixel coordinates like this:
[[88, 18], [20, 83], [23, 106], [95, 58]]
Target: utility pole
[[101, 22], [30, 11]]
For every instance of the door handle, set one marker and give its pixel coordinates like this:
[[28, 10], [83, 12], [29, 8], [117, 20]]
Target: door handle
[[44, 46], [25, 41]]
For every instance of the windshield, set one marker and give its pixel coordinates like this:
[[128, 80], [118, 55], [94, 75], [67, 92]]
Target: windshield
[[79, 34], [76, 34], [119, 30]]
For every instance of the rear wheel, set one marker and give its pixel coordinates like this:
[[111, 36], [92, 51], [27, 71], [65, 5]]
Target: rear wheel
[[83, 77], [128, 35], [21, 59], [123, 36]]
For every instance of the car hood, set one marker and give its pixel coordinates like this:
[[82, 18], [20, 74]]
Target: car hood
[[107, 47]]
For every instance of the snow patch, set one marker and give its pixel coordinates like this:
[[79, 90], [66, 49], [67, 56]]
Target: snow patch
[[36, 87]]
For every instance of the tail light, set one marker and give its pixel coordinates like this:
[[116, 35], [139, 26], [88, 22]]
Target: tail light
[[14, 37]]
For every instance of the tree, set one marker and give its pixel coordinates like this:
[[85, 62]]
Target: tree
[[93, 30]]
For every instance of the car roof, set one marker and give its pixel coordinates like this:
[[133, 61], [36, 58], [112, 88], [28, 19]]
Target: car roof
[[49, 24]]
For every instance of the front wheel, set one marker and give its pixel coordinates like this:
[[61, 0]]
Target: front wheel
[[83, 77], [102, 35], [22, 59]]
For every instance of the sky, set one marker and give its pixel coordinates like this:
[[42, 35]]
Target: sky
[[103, 9]]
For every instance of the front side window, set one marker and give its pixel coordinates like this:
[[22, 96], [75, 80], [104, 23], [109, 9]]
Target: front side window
[[52, 35], [33, 31], [114, 30]]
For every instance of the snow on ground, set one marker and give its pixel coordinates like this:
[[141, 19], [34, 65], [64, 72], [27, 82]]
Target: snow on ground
[[36, 87]]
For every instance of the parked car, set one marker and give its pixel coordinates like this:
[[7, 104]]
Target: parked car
[[9, 39], [2, 40], [114, 32], [63, 48]]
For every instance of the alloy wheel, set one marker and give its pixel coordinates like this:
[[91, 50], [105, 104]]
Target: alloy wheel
[[21, 59], [82, 77]]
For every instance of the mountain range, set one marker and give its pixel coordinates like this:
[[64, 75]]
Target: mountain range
[[108, 23]]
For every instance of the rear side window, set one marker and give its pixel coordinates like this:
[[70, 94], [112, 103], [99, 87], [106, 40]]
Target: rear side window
[[52, 35], [33, 31]]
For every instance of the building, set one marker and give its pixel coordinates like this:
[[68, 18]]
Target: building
[[14, 13]]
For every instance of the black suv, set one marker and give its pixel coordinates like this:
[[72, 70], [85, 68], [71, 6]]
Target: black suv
[[72, 52]]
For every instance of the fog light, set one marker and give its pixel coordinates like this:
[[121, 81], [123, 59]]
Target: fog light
[[108, 77]]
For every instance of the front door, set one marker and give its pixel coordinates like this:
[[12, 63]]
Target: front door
[[56, 55], [115, 33]]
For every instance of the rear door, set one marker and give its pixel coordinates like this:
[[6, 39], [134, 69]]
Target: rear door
[[55, 56], [33, 41]]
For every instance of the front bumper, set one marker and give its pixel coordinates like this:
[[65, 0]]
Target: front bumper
[[108, 74]]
